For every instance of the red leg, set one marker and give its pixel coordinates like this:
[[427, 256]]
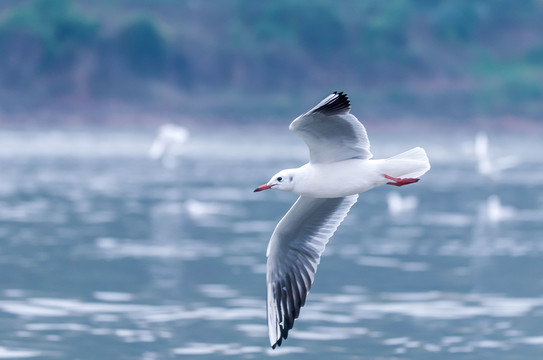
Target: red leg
[[400, 181]]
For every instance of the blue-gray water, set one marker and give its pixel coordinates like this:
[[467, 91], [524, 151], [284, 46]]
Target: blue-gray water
[[108, 254]]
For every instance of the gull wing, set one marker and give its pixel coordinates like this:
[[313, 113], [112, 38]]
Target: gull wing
[[331, 132], [293, 255]]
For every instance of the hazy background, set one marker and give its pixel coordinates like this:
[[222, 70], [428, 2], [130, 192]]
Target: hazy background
[[132, 135], [132, 61]]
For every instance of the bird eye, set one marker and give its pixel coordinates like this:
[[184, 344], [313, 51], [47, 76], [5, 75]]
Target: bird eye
[[279, 179]]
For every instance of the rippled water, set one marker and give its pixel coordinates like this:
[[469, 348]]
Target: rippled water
[[107, 254]]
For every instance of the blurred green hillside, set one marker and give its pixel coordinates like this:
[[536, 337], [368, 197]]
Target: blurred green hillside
[[450, 60]]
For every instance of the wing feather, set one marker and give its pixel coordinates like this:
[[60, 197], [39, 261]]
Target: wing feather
[[331, 132], [294, 253]]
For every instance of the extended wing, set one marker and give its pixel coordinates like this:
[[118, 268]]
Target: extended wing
[[294, 253], [331, 132]]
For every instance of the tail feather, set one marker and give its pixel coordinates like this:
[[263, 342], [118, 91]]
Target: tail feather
[[411, 163]]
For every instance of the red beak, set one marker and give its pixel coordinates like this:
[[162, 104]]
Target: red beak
[[263, 187]]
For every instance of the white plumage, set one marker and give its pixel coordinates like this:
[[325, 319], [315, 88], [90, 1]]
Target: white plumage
[[340, 168]]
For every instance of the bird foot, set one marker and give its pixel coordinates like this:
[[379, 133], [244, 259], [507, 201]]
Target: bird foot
[[400, 181]]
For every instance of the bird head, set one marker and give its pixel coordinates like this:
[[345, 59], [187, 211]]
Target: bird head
[[283, 180]]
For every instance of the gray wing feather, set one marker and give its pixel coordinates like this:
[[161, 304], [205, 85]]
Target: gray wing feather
[[293, 255], [331, 132]]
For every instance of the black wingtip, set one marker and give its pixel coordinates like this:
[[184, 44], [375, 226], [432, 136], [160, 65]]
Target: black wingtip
[[333, 105], [284, 335]]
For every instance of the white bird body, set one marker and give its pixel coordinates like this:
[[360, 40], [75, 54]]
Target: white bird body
[[354, 175], [340, 168]]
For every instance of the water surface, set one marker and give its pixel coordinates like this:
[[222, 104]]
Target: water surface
[[108, 254]]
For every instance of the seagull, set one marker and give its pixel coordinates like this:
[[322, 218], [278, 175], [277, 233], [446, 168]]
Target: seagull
[[339, 168], [487, 166], [398, 205], [168, 144], [494, 212]]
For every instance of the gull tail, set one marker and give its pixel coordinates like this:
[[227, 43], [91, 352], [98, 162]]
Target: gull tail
[[410, 164]]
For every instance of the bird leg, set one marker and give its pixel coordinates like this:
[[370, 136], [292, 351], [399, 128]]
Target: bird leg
[[400, 181]]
